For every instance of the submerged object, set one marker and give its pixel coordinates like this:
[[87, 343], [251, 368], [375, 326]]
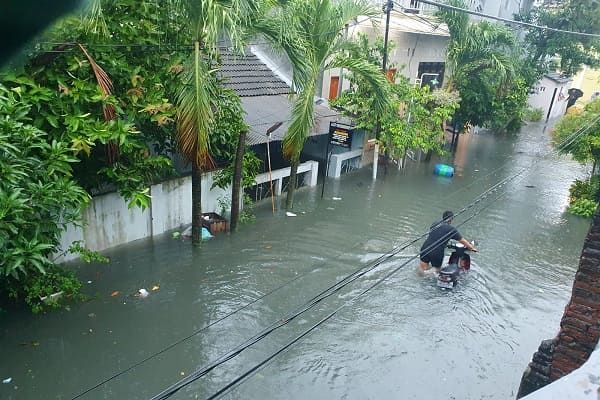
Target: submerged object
[[443, 170]]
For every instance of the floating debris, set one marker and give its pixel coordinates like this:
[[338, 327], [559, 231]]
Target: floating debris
[[290, 214], [155, 288], [336, 198], [7, 380], [530, 186], [115, 293], [142, 293]]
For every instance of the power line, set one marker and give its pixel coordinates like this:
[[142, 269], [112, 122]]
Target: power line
[[167, 393], [314, 301], [258, 366], [508, 21]]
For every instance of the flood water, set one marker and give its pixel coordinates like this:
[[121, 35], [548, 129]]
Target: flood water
[[403, 339]]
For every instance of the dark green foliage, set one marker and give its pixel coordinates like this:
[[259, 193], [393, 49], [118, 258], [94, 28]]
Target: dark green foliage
[[573, 51], [490, 71], [583, 196], [36, 289], [578, 133], [413, 117]]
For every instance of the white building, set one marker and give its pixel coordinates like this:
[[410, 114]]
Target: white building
[[419, 47], [500, 8], [551, 95]]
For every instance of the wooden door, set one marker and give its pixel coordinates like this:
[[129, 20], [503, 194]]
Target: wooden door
[[333, 87]]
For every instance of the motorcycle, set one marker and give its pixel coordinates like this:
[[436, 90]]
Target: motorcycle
[[458, 263]]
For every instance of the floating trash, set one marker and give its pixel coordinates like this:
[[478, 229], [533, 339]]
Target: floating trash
[[143, 293], [290, 214]]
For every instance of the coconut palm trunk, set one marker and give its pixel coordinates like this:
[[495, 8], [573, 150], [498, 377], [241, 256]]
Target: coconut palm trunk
[[237, 182], [289, 201], [310, 33], [196, 203]]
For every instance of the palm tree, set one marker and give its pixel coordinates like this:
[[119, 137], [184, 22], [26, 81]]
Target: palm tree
[[309, 32], [480, 55], [212, 22]]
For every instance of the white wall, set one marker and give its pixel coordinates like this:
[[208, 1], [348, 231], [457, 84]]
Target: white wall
[[410, 49], [108, 221], [542, 97]]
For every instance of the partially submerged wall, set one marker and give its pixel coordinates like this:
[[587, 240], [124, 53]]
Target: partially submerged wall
[[580, 324], [109, 222]]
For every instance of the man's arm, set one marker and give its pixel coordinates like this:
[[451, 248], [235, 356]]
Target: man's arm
[[468, 245]]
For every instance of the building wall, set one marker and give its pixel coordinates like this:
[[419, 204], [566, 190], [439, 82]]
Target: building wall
[[580, 325], [109, 222], [588, 80], [409, 50], [542, 97]]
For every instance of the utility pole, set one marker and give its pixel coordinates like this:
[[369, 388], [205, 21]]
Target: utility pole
[[387, 9]]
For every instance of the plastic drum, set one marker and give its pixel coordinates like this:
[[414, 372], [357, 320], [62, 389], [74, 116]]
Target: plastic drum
[[443, 170]]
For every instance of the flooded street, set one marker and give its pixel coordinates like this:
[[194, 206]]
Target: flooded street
[[404, 339]]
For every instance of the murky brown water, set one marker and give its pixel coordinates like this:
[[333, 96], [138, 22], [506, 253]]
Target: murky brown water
[[405, 339]]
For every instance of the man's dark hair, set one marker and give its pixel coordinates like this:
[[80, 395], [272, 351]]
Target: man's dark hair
[[447, 216]]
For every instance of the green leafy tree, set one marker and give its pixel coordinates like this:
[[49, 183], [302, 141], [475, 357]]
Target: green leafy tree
[[110, 97], [488, 70], [210, 21], [573, 51], [578, 133], [38, 198], [309, 32], [414, 116]]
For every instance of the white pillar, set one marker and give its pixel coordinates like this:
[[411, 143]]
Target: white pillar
[[278, 185], [375, 160], [312, 174]]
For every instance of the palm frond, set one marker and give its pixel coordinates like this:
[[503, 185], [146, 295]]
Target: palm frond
[[371, 74], [302, 122], [194, 111], [93, 20]]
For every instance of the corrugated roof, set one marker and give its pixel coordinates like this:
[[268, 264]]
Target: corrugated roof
[[265, 97], [558, 78], [265, 111], [249, 76]]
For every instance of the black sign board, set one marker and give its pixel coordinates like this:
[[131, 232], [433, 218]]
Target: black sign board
[[340, 136]]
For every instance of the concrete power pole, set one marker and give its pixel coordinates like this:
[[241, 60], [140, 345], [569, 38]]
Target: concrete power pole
[[387, 9]]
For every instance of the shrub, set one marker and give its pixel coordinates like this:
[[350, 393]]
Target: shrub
[[533, 114], [583, 207]]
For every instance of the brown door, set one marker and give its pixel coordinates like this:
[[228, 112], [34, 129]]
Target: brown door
[[333, 87]]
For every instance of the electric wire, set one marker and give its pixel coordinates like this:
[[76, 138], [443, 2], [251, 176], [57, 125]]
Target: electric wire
[[350, 278], [258, 366], [506, 20], [316, 299], [335, 288]]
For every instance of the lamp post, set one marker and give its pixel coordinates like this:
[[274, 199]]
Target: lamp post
[[272, 129], [387, 9]]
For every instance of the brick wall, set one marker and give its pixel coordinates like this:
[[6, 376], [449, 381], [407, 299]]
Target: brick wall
[[580, 324]]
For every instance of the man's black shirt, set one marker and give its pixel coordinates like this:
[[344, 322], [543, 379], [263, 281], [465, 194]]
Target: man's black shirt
[[439, 235]]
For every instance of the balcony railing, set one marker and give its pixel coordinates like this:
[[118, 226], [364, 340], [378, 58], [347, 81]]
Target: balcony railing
[[415, 7]]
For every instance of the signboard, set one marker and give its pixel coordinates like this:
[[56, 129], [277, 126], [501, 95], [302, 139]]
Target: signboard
[[340, 136]]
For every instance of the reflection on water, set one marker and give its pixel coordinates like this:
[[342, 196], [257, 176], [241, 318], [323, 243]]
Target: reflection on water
[[405, 339]]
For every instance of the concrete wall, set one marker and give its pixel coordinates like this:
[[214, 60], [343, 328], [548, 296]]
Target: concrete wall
[[542, 97], [108, 221], [579, 327], [410, 50]]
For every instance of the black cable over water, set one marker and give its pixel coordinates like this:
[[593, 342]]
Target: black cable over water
[[348, 279], [200, 330], [314, 301], [258, 366], [344, 282], [386, 256]]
